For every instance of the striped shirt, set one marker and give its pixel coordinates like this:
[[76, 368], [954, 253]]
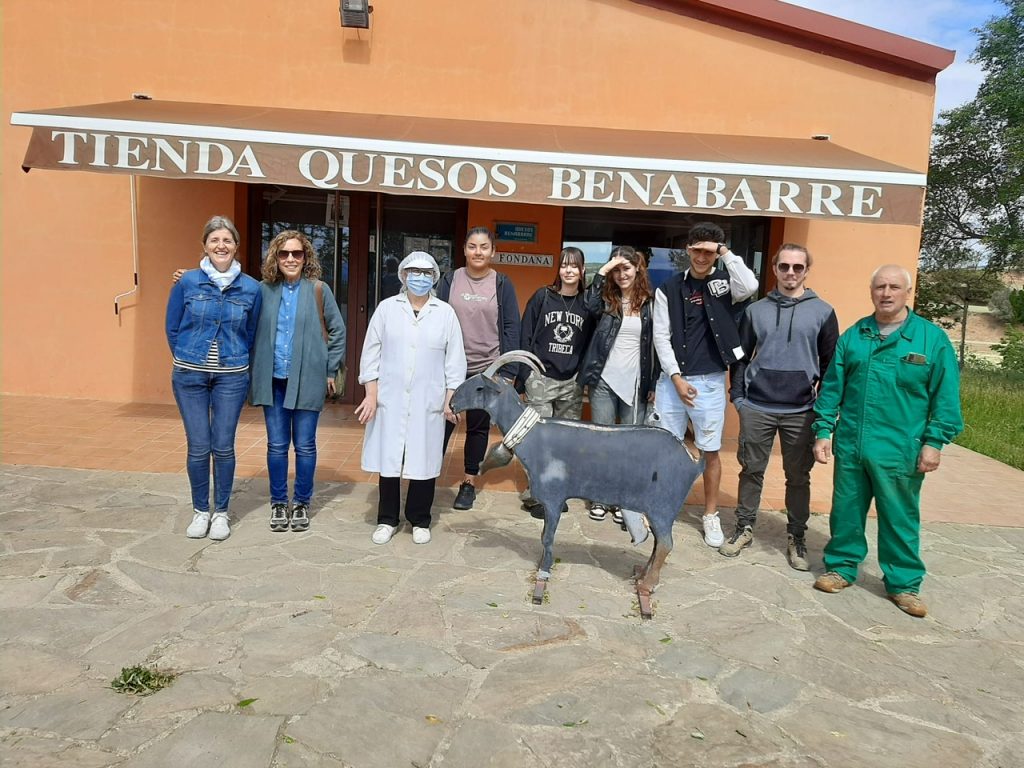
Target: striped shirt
[[211, 364]]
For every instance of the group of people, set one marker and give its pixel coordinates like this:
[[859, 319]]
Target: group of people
[[887, 389], [279, 342]]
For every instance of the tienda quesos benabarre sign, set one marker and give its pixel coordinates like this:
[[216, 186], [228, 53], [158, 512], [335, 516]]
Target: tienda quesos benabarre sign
[[797, 194]]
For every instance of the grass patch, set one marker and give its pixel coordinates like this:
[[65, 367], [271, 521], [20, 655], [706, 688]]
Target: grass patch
[[141, 681], [993, 405]]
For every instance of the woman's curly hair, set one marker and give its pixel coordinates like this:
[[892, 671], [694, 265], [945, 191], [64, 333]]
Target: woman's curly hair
[[311, 268], [642, 293]]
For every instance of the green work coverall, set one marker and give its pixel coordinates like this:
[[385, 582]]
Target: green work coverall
[[889, 397]]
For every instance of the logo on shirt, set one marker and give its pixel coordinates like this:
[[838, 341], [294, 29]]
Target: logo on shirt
[[563, 333], [473, 297], [718, 287]]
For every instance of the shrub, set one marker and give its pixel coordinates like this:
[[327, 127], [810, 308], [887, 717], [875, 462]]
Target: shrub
[[1011, 348], [1000, 304], [1017, 306]]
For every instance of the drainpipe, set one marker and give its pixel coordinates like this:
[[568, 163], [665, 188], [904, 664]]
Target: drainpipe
[[135, 249]]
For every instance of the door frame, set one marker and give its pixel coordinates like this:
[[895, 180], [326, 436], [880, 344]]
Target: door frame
[[358, 258]]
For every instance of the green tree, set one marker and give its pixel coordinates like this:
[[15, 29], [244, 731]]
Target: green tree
[[974, 210], [941, 293]]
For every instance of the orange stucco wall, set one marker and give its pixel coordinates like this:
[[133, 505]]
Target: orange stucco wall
[[549, 240], [608, 63]]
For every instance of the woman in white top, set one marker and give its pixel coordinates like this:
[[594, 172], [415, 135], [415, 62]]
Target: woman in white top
[[619, 368], [412, 362]]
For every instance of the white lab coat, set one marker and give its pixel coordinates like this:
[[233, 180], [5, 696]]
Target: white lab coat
[[414, 360]]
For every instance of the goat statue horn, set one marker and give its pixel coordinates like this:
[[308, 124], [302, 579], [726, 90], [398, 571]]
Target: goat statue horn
[[515, 356]]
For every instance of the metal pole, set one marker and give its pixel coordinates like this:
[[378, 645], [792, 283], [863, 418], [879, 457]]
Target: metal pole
[[963, 328], [135, 247]]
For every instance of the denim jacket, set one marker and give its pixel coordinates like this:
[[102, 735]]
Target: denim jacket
[[199, 312]]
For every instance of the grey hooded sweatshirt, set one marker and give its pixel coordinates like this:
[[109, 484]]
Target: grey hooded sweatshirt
[[789, 343]]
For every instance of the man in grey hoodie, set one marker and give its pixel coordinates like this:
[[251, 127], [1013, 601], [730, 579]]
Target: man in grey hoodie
[[789, 338]]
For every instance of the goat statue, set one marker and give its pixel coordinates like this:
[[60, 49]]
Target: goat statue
[[641, 468]]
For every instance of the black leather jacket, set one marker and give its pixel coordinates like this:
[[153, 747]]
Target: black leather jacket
[[605, 332]]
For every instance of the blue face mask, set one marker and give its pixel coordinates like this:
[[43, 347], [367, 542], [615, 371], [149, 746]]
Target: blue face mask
[[419, 285]]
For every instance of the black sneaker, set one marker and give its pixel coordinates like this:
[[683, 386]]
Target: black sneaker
[[537, 510], [741, 539], [796, 554], [279, 516], [465, 497], [300, 516]]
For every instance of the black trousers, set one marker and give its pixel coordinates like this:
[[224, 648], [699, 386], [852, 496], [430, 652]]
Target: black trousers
[[417, 501], [478, 427]]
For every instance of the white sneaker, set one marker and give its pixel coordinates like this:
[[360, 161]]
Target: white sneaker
[[199, 526], [383, 533], [713, 535], [421, 535], [219, 528]]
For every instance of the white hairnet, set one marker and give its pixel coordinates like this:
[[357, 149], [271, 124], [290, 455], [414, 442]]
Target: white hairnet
[[420, 260]]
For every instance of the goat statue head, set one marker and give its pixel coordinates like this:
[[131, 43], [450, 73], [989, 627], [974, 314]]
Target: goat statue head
[[484, 390]]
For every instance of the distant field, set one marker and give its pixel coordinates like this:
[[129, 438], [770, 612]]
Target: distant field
[[993, 405]]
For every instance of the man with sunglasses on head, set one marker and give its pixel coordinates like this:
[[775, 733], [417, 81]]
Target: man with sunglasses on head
[[789, 338], [696, 337]]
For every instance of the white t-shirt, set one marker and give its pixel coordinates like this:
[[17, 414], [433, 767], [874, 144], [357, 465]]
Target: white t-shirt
[[622, 369]]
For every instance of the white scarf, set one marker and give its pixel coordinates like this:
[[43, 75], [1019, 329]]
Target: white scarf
[[221, 279]]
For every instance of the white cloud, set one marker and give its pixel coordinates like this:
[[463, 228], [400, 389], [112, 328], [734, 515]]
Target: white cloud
[[957, 85]]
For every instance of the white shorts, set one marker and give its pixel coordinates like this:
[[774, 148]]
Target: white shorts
[[707, 412]]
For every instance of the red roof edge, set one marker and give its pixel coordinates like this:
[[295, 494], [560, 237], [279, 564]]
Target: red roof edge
[[818, 32]]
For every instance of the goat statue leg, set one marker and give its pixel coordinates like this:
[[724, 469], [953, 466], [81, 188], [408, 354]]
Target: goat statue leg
[[651, 574], [552, 514]]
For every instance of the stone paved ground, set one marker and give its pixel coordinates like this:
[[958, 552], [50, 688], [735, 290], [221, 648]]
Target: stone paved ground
[[404, 655]]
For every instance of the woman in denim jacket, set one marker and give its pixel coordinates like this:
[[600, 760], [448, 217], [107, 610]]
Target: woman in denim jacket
[[212, 314]]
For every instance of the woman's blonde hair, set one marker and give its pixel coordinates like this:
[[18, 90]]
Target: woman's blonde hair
[[311, 268]]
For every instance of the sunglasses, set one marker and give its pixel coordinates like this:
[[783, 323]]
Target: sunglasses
[[795, 268], [298, 255]]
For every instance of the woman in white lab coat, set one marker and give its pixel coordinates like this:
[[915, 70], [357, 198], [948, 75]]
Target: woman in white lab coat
[[413, 360]]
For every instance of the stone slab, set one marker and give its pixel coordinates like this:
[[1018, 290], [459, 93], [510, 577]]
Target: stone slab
[[222, 739]]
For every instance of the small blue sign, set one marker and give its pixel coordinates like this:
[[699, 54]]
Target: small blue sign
[[516, 233]]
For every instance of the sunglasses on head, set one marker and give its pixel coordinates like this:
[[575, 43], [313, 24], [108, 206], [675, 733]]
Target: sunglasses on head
[[795, 268]]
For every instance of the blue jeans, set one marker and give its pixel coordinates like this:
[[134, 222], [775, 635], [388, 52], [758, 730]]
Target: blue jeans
[[210, 404], [608, 408], [284, 427]]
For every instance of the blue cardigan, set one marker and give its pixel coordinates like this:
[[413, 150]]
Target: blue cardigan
[[313, 360]]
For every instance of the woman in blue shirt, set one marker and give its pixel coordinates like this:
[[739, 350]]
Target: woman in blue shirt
[[300, 343], [211, 323]]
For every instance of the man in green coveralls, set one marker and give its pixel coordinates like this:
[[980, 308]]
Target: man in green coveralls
[[894, 388]]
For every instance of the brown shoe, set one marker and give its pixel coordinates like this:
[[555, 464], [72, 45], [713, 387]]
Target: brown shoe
[[910, 603], [831, 582]]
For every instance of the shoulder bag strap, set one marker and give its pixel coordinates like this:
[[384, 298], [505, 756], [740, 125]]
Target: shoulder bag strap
[[319, 290]]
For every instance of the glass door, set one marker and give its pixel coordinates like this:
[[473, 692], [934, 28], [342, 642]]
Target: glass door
[[405, 224]]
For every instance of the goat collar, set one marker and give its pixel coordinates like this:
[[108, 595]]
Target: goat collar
[[518, 431]]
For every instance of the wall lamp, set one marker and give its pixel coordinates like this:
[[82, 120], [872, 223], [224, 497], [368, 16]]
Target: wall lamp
[[356, 13]]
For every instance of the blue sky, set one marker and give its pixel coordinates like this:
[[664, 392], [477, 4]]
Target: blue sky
[[943, 22]]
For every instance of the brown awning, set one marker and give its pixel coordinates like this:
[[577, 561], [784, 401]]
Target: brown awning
[[554, 165]]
